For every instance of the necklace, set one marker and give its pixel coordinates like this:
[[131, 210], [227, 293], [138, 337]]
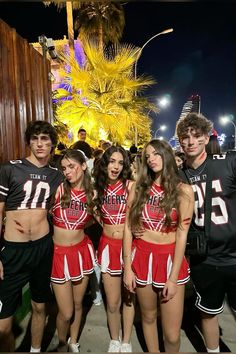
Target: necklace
[[197, 171]]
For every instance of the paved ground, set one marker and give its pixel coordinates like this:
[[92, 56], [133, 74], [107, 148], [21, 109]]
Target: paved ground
[[95, 338]]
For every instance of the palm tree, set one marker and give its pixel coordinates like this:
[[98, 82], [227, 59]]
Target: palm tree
[[102, 20], [101, 95], [70, 5]]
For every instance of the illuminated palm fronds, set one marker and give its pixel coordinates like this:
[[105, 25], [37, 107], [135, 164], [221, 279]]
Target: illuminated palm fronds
[[103, 94]]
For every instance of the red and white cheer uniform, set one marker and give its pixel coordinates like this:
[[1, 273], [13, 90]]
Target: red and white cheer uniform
[[151, 262], [75, 261], [113, 213]]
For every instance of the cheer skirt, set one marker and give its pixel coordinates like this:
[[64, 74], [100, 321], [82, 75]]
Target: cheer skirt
[[152, 263], [73, 262], [110, 255]]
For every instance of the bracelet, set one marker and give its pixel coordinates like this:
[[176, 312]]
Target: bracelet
[[127, 256], [172, 281]]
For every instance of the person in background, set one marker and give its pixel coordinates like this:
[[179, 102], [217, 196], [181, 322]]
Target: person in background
[[55, 158], [97, 154], [179, 158], [100, 142], [61, 146], [132, 153], [133, 149], [87, 150], [74, 255], [106, 145], [112, 185], [82, 134], [82, 145], [85, 147], [94, 231], [134, 157], [26, 187], [160, 209], [213, 147], [214, 276]]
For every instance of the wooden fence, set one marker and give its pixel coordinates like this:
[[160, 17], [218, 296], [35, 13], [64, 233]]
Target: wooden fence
[[25, 91]]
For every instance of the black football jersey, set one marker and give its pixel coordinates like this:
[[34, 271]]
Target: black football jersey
[[222, 240], [26, 186]]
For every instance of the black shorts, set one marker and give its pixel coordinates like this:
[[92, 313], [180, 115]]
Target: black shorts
[[25, 262], [212, 284]]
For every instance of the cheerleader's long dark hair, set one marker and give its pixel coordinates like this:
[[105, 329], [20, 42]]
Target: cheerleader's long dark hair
[[100, 173]]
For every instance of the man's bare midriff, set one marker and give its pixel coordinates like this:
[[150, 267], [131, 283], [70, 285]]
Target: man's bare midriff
[[26, 225]]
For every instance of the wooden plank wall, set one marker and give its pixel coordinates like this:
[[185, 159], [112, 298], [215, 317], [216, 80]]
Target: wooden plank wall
[[25, 91]]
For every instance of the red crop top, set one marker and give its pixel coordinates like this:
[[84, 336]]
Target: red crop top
[[153, 218], [75, 216], [115, 203]]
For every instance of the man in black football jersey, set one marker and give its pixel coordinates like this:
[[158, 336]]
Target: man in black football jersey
[[26, 187], [215, 276]]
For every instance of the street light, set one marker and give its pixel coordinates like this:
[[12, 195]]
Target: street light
[[136, 62], [164, 101], [228, 119], [162, 128], [149, 40]]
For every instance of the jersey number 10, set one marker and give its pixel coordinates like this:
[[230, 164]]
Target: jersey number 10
[[32, 195]]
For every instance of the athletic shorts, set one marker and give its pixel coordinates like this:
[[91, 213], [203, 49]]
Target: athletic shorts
[[25, 262], [152, 263], [73, 262], [212, 284], [110, 255]]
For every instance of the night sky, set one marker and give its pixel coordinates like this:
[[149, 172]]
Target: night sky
[[199, 57]]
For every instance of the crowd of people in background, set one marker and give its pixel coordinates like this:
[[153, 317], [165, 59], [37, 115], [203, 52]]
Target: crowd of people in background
[[118, 220]]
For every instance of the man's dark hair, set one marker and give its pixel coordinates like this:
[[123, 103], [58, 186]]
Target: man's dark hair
[[133, 149], [81, 130], [195, 121], [83, 146], [40, 127]]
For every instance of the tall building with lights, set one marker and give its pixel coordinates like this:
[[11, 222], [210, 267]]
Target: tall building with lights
[[193, 104]]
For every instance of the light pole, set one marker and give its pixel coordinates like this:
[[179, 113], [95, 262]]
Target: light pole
[[162, 128], [136, 62], [228, 119]]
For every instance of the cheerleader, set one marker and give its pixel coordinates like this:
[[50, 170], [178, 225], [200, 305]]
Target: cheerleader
[[74, 256], [160, 209]]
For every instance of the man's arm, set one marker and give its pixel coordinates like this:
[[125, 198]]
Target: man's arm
[[2, 207]]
